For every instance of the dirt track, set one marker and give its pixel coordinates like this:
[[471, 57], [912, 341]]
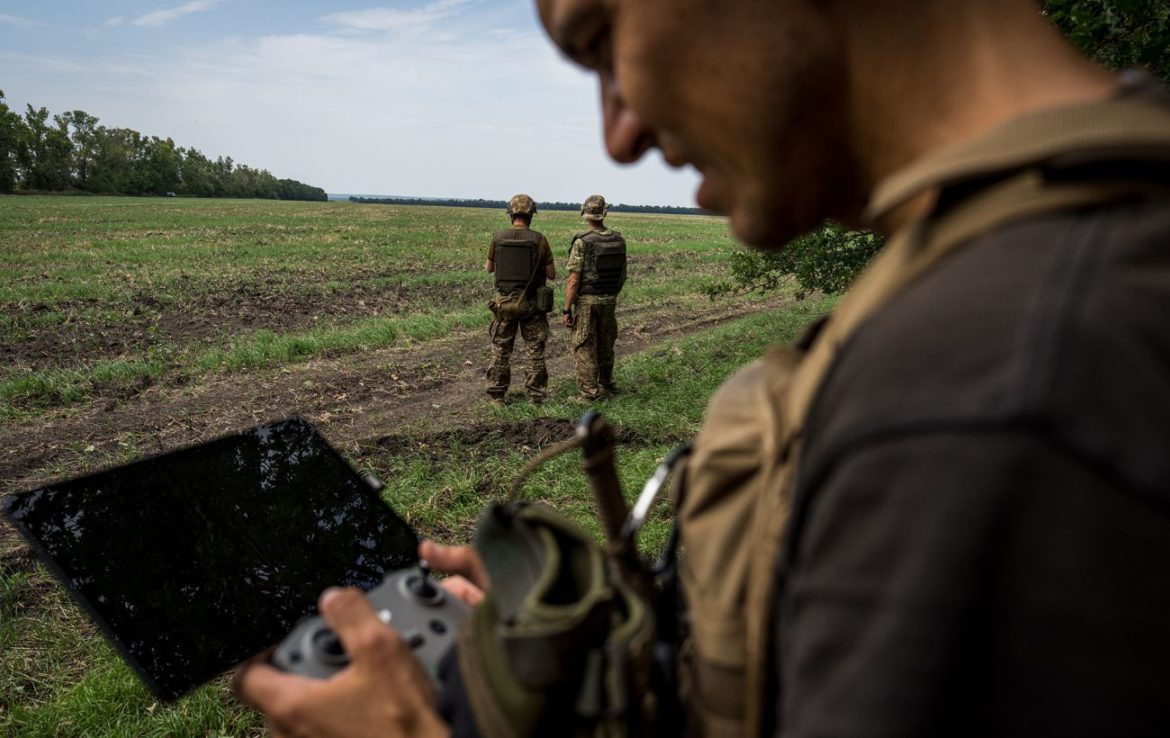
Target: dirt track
[[356, 399]]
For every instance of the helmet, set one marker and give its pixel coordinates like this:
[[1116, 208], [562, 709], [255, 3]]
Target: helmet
[[594, 208], [521, 205]]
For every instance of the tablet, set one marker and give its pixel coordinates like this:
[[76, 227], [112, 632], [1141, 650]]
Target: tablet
[[193, 561]]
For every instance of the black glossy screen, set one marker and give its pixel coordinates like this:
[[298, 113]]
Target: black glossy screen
[[195, 560]]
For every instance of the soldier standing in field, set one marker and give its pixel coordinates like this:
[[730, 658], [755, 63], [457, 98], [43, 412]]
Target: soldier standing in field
[[522, 261], [597, 272]]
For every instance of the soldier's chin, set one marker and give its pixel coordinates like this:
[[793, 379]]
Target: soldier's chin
[[754, 220], [762, 227]]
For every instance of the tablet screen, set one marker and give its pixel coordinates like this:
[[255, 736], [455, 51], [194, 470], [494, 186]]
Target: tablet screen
[[196, 560]]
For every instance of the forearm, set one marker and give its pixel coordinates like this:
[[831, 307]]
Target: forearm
[[571, 288]]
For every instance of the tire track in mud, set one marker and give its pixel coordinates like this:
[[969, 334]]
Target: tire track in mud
[[354, 398]]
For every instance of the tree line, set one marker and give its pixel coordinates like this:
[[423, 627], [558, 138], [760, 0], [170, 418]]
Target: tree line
[[503, 205], [72, 152]]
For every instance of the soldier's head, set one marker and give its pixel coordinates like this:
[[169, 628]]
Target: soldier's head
[[521, 208], [790, 109], [594, 210], [744, 91]]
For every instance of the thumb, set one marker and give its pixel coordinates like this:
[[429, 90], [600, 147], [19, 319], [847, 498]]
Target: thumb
[[461, 560]]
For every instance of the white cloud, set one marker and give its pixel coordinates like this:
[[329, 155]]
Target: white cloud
[[395, 19], [166, 15], [429, 114], [114, 22], [12, 20]]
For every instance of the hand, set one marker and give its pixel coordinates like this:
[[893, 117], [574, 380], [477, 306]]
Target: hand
[[469, 578], [568, 320], [383, 692]]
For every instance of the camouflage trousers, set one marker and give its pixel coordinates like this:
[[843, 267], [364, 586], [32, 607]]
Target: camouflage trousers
[[594, 334], [534, 329]]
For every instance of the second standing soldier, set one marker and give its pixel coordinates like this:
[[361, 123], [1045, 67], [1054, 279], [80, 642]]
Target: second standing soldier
[[522, 261], [597, 272]]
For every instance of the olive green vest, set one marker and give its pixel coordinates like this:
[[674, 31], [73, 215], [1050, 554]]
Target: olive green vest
[[602, 263], [517, 260]]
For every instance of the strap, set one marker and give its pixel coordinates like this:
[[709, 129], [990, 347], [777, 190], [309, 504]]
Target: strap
[[1121, 128]]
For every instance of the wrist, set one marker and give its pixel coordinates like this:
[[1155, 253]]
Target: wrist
[[566, 311]]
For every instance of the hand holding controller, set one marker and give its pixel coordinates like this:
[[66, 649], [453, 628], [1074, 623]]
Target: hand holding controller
[[426, 616]]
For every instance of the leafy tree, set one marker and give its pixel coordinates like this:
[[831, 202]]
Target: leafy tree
[[72, 150], [46, 156], [112, 170], [195, 174], [12, 140], [159, 167], [1119, 34], [826, 260], [82, 131]]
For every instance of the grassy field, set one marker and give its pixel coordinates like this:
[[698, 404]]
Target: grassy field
[[108, 295], [369, 319]]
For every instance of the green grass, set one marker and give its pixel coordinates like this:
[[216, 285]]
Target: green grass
[[185, 289], [58, 678], [96, 291]]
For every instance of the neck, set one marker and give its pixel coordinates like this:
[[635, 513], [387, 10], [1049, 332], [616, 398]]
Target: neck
[[518, 223], [949, 72], [595, 225]]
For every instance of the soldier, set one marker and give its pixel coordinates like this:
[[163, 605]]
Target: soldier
[[522, 262], [973, 447], [597, 273]]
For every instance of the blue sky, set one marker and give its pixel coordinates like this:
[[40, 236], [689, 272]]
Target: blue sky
[[457, 98]]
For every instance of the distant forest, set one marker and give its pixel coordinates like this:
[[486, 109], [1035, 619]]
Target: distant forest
[[503, 205], [72, 153]]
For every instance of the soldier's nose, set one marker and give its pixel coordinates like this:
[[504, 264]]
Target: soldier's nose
[[627, 137]]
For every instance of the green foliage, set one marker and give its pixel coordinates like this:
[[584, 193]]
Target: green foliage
[[11, 141], [826, 260], [72, 152], [1118, 34]]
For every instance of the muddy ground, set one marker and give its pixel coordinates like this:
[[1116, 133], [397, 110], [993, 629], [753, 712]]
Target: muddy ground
[[403, 396]]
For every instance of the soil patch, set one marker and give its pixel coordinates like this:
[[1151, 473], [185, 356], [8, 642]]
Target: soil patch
[[358, 400], [145, 321]]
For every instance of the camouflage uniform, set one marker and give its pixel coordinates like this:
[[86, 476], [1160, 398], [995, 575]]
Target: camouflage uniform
[[532, 326], [595, 325], [534, 329]]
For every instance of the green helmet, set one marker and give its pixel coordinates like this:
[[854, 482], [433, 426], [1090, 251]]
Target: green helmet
[[521, 205], [594, 208]]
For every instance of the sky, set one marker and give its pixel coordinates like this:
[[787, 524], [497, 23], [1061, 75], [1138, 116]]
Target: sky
[[430, 98]]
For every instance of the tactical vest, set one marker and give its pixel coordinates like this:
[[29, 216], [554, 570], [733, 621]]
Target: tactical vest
[[603, 262], [517, 260], [734, 504]]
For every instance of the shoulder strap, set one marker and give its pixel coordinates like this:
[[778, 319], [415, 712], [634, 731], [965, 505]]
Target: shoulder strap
[[1123, 128], [1049, 161]]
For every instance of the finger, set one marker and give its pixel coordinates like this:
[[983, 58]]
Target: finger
[[460, 560], [363, 636], [462, 590], [266, 688]]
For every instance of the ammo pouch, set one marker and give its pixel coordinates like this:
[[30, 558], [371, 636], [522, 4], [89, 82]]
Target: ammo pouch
[[511, 306], [573, 638], [544, 299], [561, 645]]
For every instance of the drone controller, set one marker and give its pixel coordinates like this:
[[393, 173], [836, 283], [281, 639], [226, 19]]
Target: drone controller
[[426, 616]]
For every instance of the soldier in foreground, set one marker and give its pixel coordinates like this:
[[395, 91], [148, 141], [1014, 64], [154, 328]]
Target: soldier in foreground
[[522, 262], [597, 273], [972, 448]]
